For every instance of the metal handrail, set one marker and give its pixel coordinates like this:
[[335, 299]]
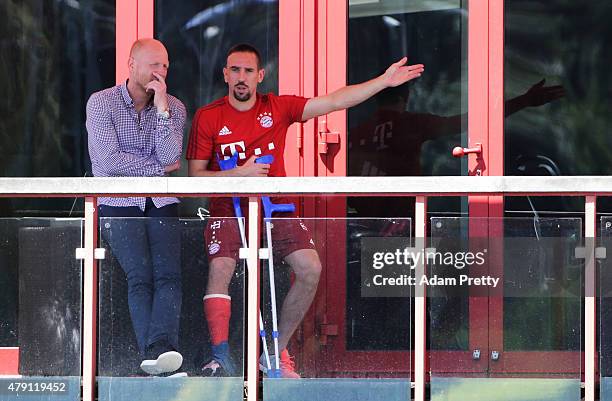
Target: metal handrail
[[307, 186]]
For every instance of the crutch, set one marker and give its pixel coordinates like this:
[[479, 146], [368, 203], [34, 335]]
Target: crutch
[[228, 165], [269, 209]]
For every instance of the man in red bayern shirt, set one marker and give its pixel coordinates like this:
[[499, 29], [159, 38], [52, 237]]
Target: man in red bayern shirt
[[250, 125]]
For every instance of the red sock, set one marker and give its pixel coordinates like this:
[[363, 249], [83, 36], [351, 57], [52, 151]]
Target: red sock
[[218, 309]]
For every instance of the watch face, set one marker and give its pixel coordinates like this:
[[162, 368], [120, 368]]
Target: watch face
[[164, 114]]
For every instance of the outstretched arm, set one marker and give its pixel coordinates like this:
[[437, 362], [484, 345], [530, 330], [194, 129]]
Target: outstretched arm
[[351, 95], [535, 96]]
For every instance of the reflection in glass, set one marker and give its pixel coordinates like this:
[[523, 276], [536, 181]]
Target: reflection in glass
[[198, 35], [547, 41], [119, 374], [605, 311], [408, 130], [448, 306], [547, 317], [374, 323], [54, 55], [515, 335], [40, 312], [346, 327]]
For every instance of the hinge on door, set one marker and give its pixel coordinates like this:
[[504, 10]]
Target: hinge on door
[[326, 137], [326, 330]]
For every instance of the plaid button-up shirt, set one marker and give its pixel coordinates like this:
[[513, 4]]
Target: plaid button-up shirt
[[124, 143]]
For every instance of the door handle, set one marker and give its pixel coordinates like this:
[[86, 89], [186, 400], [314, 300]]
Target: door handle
[[458, 151]]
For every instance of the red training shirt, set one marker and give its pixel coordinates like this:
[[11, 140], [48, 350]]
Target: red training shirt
[[219, 129]]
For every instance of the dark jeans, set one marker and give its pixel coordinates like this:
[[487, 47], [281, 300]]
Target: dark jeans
[[148, 248]]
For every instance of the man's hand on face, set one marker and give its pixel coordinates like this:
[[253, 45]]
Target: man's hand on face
[[398, 73], [158, 86]]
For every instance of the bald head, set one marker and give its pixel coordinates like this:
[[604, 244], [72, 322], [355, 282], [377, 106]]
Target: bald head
[[146, 45], [148, 58]]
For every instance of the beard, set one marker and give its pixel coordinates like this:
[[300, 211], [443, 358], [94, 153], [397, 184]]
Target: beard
[[243, 94]]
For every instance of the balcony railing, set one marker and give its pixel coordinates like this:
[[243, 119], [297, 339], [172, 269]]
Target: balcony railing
[[420, 187]]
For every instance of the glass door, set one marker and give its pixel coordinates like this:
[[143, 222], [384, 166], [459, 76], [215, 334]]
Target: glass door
[[410, 130], [458, 107]]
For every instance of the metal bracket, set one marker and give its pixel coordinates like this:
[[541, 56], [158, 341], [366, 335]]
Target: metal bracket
[[476, 354], [79, 254], [494, 355], [264, 253], [99, 253], [243, 253], [600, 252]]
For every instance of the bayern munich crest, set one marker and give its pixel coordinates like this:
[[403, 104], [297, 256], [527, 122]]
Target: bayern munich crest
[[213, 248], [265, 120]]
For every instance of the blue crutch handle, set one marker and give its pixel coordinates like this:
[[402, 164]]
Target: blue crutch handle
[[265, 159], [228, 164], [270, 207], [232, 162]]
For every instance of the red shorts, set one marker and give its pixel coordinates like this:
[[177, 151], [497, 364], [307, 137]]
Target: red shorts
[[222, 235]]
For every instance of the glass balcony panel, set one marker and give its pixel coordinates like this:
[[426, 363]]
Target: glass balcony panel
[[513, 321], [605, 310], [55, 54], [129, 243], [360, 346], [40, 309]]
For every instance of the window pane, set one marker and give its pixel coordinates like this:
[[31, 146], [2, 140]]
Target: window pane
[[54, 55], [562, 43], [198, 35]]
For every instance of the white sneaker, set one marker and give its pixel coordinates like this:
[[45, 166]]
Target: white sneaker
[[165, 363]]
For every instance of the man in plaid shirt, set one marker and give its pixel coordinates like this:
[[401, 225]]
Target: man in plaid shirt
[[136, 130]]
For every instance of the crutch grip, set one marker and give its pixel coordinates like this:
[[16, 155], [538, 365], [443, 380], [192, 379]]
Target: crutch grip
[[265, 159], [270, 207], [228, 164]]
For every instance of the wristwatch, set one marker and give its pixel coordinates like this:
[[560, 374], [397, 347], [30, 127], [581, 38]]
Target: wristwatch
[[164, 114]]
